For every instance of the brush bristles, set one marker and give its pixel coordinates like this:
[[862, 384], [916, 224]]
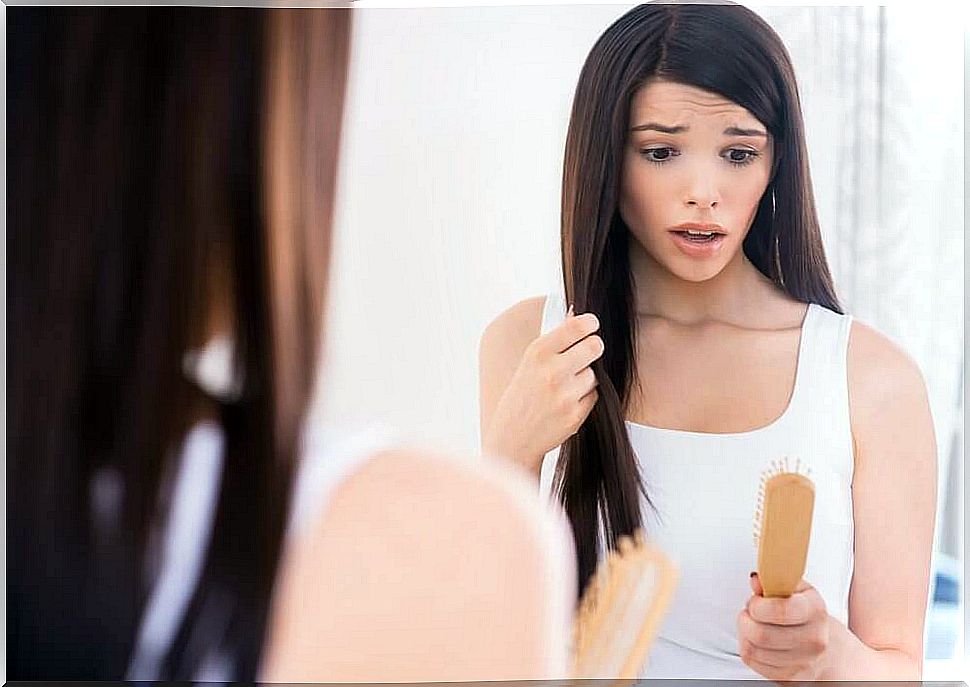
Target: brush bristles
[[775, 468], [620, 611]]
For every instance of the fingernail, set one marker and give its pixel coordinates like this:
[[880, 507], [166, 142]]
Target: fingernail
[[570, 311], [752, 574]]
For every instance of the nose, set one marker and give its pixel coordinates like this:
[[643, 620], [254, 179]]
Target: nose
[[702, 192]]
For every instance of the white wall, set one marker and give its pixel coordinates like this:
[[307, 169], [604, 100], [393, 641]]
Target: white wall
[[448, 202]]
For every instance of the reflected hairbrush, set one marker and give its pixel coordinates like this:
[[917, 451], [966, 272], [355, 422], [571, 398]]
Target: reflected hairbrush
[[620, 611], [783, 527]]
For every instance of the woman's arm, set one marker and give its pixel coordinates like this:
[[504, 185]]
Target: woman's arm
[[500, 350], [894, 506]]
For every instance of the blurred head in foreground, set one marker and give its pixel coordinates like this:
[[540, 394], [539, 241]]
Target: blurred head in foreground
[[171, 180]]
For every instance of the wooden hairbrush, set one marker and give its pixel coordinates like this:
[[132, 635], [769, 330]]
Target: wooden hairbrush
[[783, 527], [620, 612]]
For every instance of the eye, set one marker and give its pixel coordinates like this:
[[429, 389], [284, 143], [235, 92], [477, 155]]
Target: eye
[[667, 153], [750, 155]]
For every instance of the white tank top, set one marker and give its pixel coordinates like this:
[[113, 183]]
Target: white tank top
[[705, 488]]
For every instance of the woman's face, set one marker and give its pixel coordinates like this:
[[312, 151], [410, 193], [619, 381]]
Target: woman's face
[[692, 156]]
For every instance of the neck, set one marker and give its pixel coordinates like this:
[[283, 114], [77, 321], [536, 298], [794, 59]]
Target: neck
[[738, 289]]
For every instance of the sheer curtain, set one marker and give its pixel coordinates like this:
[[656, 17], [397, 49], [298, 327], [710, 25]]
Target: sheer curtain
[[884, 115]]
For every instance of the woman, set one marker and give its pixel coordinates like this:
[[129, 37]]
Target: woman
[[710, 344], [171, 190]]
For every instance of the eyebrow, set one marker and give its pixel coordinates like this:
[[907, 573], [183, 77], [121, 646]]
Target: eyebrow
[[730, 131]]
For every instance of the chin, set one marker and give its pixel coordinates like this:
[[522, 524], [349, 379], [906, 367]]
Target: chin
[[693, 270], [689, 268], [697, 274]]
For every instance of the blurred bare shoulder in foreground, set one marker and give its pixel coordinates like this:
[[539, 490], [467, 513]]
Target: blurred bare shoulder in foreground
[[426, 568]]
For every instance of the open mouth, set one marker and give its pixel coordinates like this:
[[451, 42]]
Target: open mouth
[[700, 236]]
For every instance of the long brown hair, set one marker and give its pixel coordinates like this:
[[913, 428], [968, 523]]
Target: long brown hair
[[726, 49], [145, 144]]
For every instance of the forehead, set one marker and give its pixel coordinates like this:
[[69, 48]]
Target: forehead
[[674, 103]]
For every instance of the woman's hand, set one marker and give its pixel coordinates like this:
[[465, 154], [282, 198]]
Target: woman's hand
[[550, 394], [786, 639]]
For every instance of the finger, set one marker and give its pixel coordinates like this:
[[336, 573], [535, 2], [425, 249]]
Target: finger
[[573, 329], [764, 636], [767, 658], [587, 402], [803, 586], [776, 675], [784, 672], [756, 587], [788, 659], [584, 382], [797, 609], [581, 354], [582, 410]]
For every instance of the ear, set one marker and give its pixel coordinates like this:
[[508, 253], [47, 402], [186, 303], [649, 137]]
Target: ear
[[776, 156]]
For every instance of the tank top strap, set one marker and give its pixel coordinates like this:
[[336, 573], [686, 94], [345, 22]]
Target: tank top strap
[[821, 381], [553, 311], [553, 314], [328, 457], [822, 392]]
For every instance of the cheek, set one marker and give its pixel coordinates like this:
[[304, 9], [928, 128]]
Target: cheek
[[751, 202], [752, 190], [641, 197]]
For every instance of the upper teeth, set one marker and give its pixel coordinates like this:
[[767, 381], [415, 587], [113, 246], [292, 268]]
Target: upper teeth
[[700, 233]]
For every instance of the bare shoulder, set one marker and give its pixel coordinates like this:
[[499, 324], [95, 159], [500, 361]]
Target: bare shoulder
[[501, 348], [418, 549], [421, 477], [887, 391], [877, 365], [513, 329]]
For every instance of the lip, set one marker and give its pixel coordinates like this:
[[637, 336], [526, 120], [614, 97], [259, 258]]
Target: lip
[[697, 250], [699, 226]]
